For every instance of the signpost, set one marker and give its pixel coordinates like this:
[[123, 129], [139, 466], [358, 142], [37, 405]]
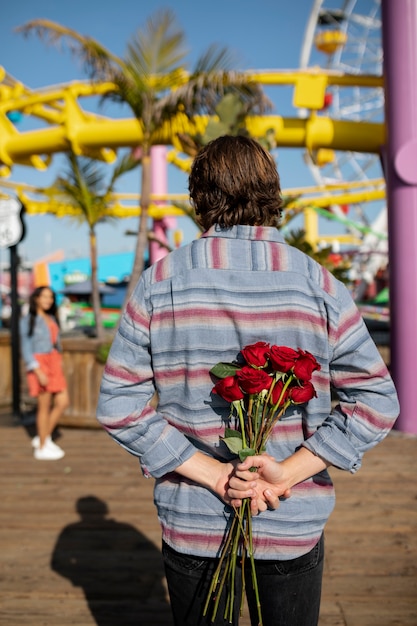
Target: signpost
[[11, 233]]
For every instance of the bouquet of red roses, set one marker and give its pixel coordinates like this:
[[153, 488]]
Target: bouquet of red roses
[[260, 390]]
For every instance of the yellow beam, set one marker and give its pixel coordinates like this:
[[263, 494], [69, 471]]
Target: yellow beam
[[329, 187], [61, 209], [119, 208], [313, 133], [93, 135], [332, 77], [346, 238], [355, 197]]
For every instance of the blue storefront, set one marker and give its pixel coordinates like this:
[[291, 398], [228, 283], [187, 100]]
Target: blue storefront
[[113, 269]]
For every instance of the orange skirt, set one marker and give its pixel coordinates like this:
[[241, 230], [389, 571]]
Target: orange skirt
[[51, 364]]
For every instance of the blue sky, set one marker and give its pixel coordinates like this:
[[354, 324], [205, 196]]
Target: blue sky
[[267, 34]]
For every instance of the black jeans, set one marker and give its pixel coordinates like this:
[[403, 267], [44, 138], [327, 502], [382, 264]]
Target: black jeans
[[289, 591]]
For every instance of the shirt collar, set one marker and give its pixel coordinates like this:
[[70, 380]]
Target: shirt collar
[[256, 233]]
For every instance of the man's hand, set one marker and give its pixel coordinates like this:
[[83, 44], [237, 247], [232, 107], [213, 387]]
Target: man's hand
[[273, 479], [215, 475], [268, 483], [233, 482]]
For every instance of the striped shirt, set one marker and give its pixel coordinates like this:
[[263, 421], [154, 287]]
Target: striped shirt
[[200, 305]]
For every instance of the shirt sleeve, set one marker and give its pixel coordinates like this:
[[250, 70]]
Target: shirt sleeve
[[26, 345], [367, 404], [125, 408]]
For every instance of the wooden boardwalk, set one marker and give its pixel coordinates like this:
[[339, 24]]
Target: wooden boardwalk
[[79, 538]]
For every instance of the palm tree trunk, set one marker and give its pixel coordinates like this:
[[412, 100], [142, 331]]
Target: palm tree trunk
[[95, 287], [142, 238]]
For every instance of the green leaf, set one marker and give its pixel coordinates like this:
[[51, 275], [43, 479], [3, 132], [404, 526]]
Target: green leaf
[[233, 440], [245, 452], [222, 370], [231, 432]]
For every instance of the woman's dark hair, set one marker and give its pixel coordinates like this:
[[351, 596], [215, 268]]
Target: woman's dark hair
[[33, 307], [233, 180]]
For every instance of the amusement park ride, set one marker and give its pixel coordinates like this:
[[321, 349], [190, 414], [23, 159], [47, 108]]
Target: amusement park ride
[[341, 126]]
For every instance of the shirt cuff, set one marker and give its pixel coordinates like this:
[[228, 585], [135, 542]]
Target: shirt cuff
[[164, 457], [334, 447]]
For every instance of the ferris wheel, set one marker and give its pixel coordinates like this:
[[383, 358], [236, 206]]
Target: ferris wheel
[[346, 36]]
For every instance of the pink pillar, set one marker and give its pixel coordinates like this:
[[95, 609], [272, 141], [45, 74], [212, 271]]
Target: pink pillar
[[159, 185], [399, 24]]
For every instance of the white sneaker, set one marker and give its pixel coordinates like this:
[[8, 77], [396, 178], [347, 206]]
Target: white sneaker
[[48, 442], [48, 453]]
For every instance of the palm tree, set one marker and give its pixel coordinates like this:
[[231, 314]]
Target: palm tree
[[84, 186], [152, 78]]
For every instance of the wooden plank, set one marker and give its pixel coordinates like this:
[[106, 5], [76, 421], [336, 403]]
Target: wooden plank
[[80, 539]]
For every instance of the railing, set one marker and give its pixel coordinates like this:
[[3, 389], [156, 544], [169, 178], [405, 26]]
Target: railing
[[6, 382], [83, 373]]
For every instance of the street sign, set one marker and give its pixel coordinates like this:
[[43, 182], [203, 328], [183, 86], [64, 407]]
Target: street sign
[[11, 225]]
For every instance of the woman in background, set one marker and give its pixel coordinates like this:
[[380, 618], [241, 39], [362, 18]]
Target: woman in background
[[41, 351]]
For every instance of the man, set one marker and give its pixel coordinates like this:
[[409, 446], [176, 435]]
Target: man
[[238, 284]]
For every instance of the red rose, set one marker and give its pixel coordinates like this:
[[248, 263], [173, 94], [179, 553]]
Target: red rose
[[228, 389], [253, 381], [276, 394], [282, 358], [305, 365], [256, 354], [301, 394]]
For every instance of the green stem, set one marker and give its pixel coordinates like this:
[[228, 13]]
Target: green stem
[[232, 578], [253, 568], [242, 599], [242, 424], [249, 420], [270, 423], [216, 586], [273, 421]]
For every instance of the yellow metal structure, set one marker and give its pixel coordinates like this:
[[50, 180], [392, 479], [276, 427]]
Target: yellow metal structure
[[298, 200], [324, 197], [69, 127]]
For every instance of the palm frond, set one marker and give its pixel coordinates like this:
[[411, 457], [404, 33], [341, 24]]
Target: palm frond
[[152, 64], [85, 172], [126, 164], [215, 59], [99, 62], [203, 92], [84, 186], [158, 47]]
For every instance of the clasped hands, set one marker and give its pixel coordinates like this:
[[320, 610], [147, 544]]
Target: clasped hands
[[260, 478]]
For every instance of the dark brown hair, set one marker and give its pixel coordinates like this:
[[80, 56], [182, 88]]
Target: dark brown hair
[[233, 180], [33, 307]]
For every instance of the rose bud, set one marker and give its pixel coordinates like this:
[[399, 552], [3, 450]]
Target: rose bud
[[256, 354], [305, 365], [228, 388], [253, 381], [301, 394], [276, 394], [282, 358]]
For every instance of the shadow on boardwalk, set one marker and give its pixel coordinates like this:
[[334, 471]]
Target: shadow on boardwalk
[[112, 562], [80, 539]]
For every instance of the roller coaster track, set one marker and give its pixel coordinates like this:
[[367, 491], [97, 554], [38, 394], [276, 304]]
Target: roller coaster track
[[69, 126], [298, 199]]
